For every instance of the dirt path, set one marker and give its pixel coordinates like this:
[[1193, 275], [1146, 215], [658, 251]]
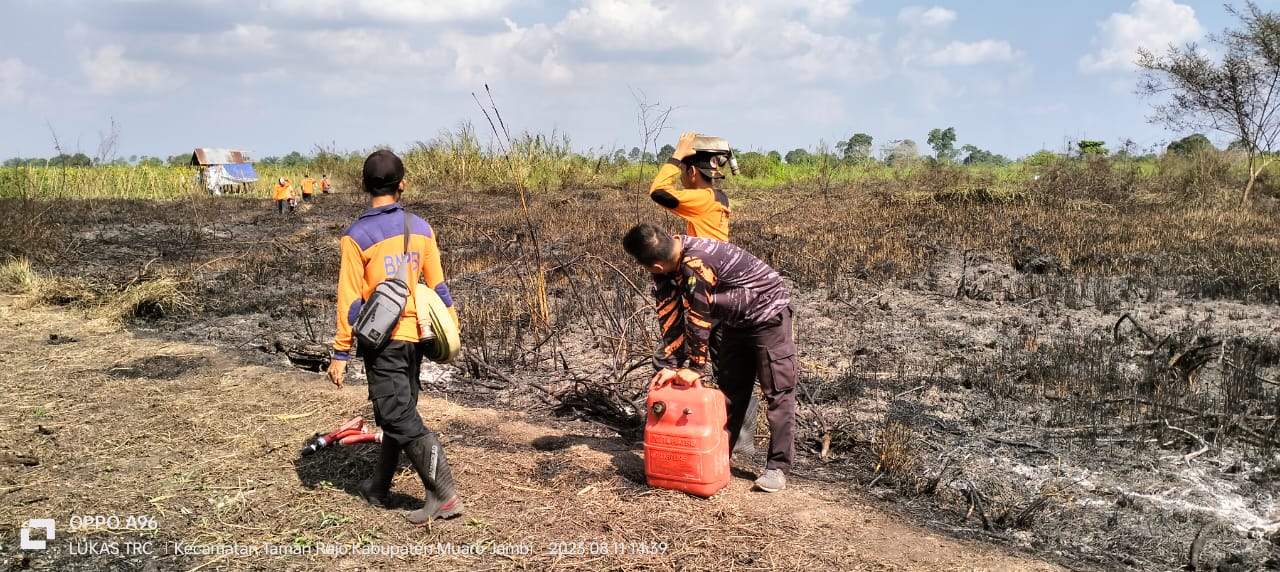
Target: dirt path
[[105, 422]]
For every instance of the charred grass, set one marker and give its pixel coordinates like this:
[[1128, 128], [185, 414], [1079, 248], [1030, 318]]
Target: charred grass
[[992, 437]]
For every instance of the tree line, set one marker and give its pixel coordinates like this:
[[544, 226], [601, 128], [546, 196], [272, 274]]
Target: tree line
[[858, 149]]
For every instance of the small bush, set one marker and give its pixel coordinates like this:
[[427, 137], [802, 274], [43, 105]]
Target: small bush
[[894, 447], [149, 300], [63, 291], [17, 277], [1200, 176]]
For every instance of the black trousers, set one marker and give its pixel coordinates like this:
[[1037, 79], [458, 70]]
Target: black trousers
[[766, 352], [393, 389]]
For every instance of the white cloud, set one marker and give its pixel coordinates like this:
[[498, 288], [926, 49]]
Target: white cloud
[[371, 50], [737, 42], [636, 25], [243, 39], [719, 28], [820, 56], [971, 53], [529, 54], [932, 18], [416, 11], [109, 71], [1150, 24], [825, 11], [13, 76]]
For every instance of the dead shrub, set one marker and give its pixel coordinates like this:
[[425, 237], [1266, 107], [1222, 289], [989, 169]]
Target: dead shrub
[[1197, 178], [64, 291], [894, 447], [940, 177], [150, 300], [17, 276], [1091, 179]]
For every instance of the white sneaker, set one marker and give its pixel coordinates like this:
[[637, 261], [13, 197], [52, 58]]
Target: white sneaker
[[772, 481]]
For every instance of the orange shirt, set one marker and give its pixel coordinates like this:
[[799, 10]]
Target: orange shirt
[[308, 186], [282, 192], [706, 209], [372, 251]]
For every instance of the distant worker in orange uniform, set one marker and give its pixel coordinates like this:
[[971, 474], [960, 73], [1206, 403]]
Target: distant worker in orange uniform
[[283, 195], [701, 202], [325, 185], [308, 188]]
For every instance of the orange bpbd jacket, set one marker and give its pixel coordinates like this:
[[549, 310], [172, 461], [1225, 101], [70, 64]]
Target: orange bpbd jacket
[[706, 209], [282, 192], [372, 251], [308, 186]]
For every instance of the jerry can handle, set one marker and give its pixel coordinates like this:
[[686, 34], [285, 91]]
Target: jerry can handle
[[696, 384]]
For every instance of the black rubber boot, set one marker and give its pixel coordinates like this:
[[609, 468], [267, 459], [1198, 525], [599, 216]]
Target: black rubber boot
[[427, 455], [745, 443], [375, 489]]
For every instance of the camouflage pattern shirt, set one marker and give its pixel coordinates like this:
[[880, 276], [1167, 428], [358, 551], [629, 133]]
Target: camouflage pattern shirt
[[717, 283]]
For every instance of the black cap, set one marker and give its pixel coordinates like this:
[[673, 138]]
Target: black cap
[[383, 172], [707, 163]]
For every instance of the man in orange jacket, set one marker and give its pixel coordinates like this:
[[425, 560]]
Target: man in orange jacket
[[308, 188], [372, 251], [701, 202], [283, 195]]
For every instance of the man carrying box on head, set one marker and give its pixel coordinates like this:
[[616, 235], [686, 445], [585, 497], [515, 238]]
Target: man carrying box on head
[[700, 202]]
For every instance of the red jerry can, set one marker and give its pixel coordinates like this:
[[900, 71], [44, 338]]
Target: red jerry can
[[686, 445]]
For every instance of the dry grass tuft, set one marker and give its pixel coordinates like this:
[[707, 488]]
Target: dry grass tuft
[[63, 291], [17, 277], [154, 299], [894, 447]]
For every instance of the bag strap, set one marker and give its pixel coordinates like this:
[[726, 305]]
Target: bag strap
[[403, 272]]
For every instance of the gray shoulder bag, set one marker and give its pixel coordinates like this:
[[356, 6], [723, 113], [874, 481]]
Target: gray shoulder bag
[[381, 313]]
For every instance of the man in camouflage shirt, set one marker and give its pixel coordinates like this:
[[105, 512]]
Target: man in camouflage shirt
[[699, 283]]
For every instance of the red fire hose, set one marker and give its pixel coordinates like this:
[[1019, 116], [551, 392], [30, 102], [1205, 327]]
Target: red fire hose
[[350, 432]]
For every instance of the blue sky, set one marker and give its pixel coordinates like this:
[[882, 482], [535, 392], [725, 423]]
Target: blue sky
[[275, 76]]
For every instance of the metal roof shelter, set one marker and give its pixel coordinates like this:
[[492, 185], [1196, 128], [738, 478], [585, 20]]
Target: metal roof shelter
[[223, 167], [211, 156]]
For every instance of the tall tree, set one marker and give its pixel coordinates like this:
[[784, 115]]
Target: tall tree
[[1091, 147], [943, 142], [293, 159], [665, 152], [77, 160], [1189, 145], [900, 153], [797, 156], [973, 155], [1238, 94], [857, 149]]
